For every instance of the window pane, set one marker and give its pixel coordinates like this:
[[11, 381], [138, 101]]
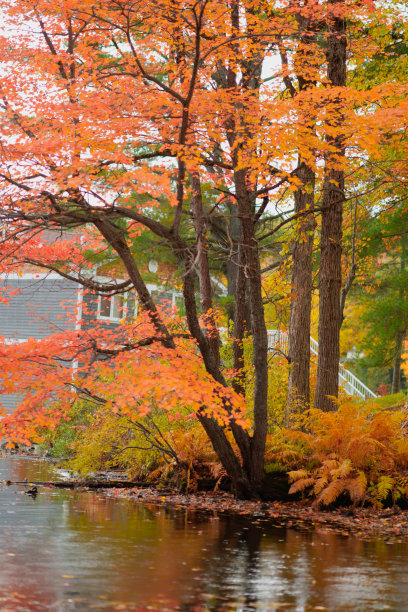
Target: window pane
[[131, 305], [117, 311], [105, 306]]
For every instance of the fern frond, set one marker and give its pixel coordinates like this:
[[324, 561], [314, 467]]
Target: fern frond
[[385, 484], [301, 485], [290, 453], [343, 470], [320, 484], [297, 475], [357, 487], [329, 465], [402, 450], [216, 470], [331, 493]]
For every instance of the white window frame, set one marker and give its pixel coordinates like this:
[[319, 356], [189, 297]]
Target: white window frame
[[127, 296], [112, 298]]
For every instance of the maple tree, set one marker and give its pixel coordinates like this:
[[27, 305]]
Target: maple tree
[[183, 104]]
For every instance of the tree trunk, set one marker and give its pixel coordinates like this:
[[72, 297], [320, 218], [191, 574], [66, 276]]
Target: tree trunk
[[215, 432], [396, 370], [260, 336], [301, 299], [204, 277], [327, 383], [241, 436]]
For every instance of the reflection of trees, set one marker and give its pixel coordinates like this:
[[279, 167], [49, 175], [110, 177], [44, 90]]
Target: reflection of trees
[[30, 468], [181, 559]]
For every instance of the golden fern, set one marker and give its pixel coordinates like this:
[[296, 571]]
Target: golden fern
[[384, 486], [301, 485], [331, 493], [329, 465], [402, 450], [357, 487], [343, 470], [297, 475], [345, 449], [320, 484]]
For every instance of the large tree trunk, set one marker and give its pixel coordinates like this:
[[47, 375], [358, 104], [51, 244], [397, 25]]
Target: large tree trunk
[[241, 437], [301, 299], [260, 336], [327, 383], [302, 257]]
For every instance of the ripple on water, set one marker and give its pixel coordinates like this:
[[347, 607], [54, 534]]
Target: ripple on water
[[69, 550]]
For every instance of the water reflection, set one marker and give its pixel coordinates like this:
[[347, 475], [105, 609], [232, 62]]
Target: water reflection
[[76, 551]]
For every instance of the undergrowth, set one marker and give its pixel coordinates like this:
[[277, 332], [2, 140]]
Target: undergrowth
[[357, 454], [159, 446]]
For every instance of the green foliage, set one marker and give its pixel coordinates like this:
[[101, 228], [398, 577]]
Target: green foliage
[[394, 401], [60, 442], [380, 294]]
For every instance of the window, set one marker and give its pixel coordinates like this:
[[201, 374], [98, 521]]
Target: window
[[111, 307]]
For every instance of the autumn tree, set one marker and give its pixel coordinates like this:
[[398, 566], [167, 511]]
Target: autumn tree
[[104, 100]]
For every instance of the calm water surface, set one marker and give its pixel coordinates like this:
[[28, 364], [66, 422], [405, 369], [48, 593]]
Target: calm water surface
[[66, 550]]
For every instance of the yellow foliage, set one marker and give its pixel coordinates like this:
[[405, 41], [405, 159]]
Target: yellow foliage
[[297, 475], [150, 447], [320, 484]]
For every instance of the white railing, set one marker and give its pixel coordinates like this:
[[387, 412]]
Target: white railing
[[351, 384]]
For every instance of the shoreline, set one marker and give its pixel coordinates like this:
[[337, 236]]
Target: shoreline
[[386, 524], [370, 524]]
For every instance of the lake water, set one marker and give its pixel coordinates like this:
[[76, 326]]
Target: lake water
[[68, 550]]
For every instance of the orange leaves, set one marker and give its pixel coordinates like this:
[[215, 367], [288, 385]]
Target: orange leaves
[[121, 88], [348, 450], [50, 373], [106, 109]]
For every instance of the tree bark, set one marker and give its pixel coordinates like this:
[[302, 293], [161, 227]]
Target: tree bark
[[327, 383], [260, 336], [241, 437], [302, 257], [396, 370], [203, 267], [301, 299]]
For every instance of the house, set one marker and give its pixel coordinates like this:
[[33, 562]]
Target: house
[[42, 303]]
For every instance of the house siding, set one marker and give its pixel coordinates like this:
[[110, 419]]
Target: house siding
[[9, 401], [36, 311]]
